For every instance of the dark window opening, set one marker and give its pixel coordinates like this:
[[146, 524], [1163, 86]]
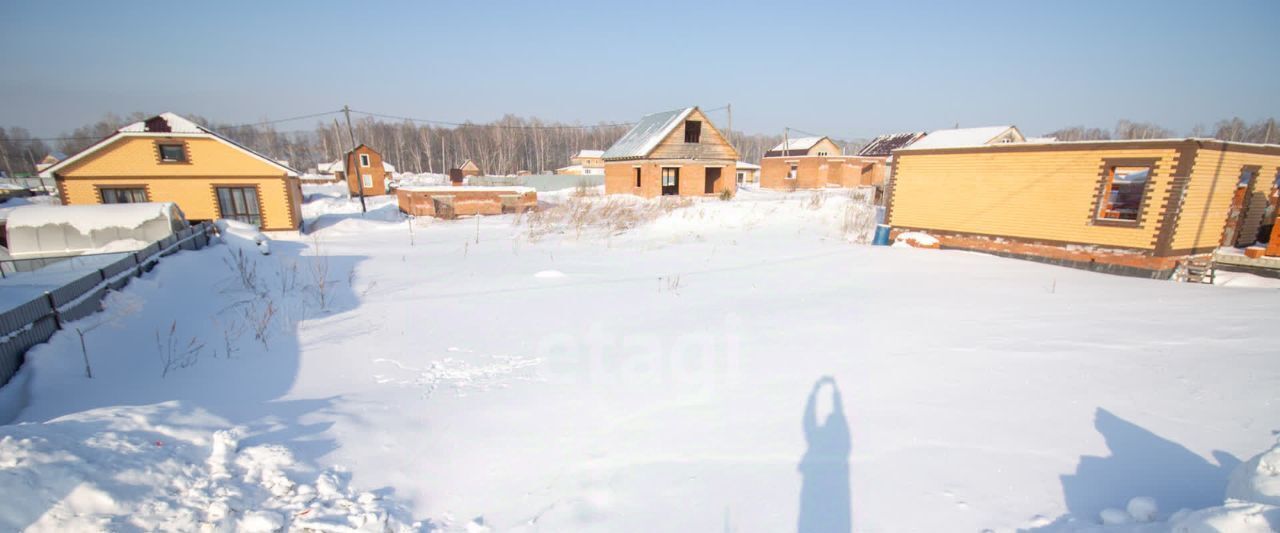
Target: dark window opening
[[671, 181], [173, 153], [637, 177], [123, 195], [692, 131], [239, 203], [1122, 196]]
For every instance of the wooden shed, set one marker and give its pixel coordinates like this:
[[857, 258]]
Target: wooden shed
[[676, 152], [1132, 207], [470, 168]]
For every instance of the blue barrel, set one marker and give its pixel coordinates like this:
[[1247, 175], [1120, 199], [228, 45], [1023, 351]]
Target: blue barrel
[[882, 235]]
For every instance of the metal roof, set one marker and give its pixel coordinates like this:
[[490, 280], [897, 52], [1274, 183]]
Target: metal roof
[[646, 134]]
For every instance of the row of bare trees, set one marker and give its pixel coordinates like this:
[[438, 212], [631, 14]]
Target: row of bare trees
[[1265, 131], [505, 146]]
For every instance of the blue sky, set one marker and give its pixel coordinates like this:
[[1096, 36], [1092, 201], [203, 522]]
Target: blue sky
[[850, 69]]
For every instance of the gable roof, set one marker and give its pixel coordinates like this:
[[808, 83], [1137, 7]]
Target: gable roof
[[798, 144], [164, 125], [645, 135], [962, 137], [589, 153], [884, 145], [469, 162]]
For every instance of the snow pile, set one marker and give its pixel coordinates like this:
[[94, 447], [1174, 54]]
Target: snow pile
[[166, 468], [916, 239], [405, 179], [243, 236]]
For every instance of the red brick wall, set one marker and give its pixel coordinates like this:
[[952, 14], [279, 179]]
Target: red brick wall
[[375, 170], [465, 202]]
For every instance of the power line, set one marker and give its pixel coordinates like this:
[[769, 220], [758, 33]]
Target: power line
[[500, 126]]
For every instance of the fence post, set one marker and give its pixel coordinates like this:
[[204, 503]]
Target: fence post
[[57, 317]]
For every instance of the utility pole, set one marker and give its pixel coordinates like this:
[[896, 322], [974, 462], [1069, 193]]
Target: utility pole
[[786, 144], [346, 110], [730, 108]]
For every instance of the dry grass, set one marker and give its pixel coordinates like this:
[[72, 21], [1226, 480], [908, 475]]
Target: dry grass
[[610, 215]]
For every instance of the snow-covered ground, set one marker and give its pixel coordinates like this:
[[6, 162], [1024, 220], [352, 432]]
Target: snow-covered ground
[[622, 365]]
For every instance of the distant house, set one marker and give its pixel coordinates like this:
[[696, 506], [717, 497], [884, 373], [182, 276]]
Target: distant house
[[375, 173], [584, 163], [167, 158], [879, 153], [884, 145], [970, 137], [1135, 207], [470, 168], [675, 152], [49, 160], [812, 163], [747, 172]]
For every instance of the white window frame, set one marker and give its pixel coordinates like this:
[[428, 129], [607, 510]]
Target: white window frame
[[368, 180], [364, 160]]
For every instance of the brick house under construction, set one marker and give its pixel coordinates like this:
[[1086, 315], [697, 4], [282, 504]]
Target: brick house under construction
[[675, 152]]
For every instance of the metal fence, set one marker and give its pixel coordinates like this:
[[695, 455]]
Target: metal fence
[[36, 321]]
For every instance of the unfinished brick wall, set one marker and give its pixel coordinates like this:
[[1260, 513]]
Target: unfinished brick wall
[[817, 172], [448, 202]]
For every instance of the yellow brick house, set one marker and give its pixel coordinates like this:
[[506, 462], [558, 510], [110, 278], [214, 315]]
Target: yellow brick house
[[167, 158], [1135, 207]]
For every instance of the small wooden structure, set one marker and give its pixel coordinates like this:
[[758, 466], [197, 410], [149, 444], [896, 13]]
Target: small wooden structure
[[374, 172], [450, 202], [470, 168]]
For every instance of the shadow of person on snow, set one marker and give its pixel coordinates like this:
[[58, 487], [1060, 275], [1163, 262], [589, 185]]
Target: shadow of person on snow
[[1141, 464], [825, 501]]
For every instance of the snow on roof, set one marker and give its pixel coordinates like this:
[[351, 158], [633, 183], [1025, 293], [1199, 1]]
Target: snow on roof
[[176, 123], [799, 143], [960, 137], [884, 145], [177, 127], [589, 153], [1042, 139], [643, 137], [746, 165], [88, 218]]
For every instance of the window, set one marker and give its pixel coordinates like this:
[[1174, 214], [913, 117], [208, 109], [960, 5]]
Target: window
[[692, 131], [1246, 177], [368, 180], [792, 174], [1122, 192], [670, 177], [637, 177], [364, 160], [239, 203], [123, 195], [820, 154], [173, 153]]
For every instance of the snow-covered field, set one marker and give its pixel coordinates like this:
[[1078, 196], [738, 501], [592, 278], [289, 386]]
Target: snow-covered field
[[621, 365]]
